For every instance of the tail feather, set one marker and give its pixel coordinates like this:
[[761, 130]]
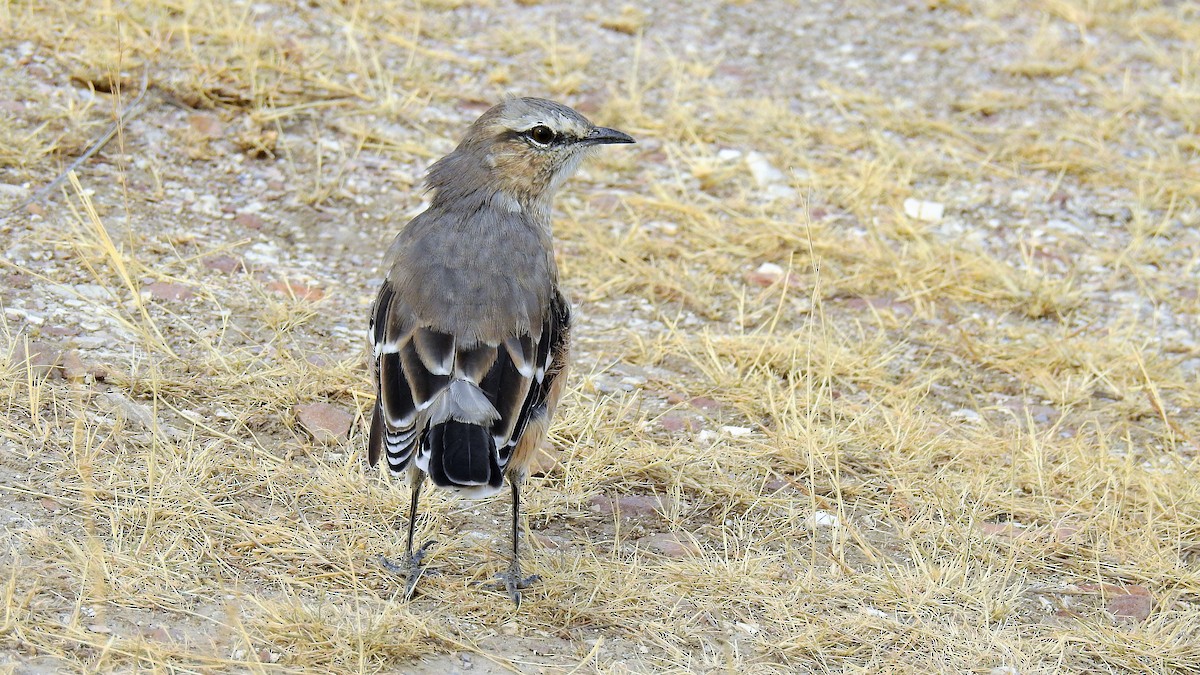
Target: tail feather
[[463, 455]]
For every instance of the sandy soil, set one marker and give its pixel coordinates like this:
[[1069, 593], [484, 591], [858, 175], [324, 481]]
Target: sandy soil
[[887, 338]]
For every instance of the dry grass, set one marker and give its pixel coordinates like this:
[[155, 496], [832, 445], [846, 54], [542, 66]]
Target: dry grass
[[950, 446]]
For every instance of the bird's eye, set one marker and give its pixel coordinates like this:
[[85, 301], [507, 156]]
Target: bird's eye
[[541, 134]]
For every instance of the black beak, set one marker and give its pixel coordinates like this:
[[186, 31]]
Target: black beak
[[605, 136]]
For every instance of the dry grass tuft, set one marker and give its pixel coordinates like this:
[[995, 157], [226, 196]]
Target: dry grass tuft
[[811, 429]]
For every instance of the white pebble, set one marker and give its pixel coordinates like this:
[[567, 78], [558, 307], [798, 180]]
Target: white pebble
[[928, 212], [762, 170], [825, 519], [966, 415]]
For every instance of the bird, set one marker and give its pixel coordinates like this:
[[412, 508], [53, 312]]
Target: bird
[[469, 331]]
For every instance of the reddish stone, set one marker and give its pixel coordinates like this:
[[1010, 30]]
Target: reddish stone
[[1136, 604], [630, 506], [73, 367], [206, 125], [39, 357], [224, 263], [168, 290], [676, 423], [249, 220], [670, 545], [298, 291], [326, 423]]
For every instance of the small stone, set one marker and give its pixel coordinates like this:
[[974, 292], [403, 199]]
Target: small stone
[[50, 505], [966, 415], [825, 519], [17, 280], [99, 628], [926, 212], [73, 367], [158, 634], [138, 414], [42, 359], [874, 611], [762, 170], [206, 125], [249, 220], [767, 274], [676, 422], [326, 423], [225, 263], [669, 545], [547, 542], [737, 431], [630, 506], [297, 291], [1133, 602], [1063, 533], [167, 290]]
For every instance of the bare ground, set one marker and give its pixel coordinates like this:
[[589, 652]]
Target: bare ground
[[887, 338]]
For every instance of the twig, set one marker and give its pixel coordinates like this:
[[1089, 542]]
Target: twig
[[124, 116]]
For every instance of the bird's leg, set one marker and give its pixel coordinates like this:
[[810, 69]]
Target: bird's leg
[[413, 569], [513, 579]]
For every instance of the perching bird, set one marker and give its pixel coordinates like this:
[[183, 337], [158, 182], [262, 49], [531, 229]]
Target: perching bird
[[469, 332]]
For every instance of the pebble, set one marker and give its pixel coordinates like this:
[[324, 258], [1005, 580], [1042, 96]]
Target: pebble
[[966, 415], [676, 422], [761, 169], [224, 263], [1135, 606], [42, 359], [136, 413], [669, 545], [167, 290], [825, 519], [17, 313], [630, 506], [297, 291], [324, 422], [766, 274], [73, 367], [249, 220], [206, 124], [927, 212]]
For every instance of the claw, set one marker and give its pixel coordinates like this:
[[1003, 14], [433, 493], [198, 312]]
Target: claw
[[512, 582], [413, 571]]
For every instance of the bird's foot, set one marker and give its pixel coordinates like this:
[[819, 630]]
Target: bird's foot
[[413, 571], [514, 582]]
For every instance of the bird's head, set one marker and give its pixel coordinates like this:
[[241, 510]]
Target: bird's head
[[524, 147]]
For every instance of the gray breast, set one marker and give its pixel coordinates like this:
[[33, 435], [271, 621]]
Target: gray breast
[[477, 273]]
